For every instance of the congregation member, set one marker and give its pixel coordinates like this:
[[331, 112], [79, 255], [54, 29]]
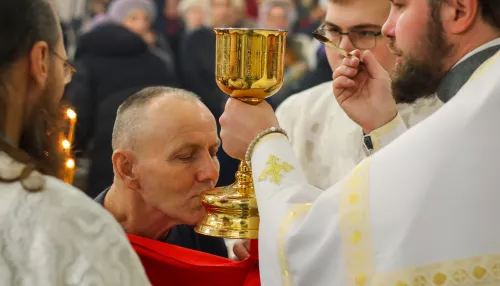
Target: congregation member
[[165, 143], [50, 232], [193, 13], [420, 210], [139, 16]]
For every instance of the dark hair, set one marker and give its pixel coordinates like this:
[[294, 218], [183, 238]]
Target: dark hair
[[490, 10], [23, 23]]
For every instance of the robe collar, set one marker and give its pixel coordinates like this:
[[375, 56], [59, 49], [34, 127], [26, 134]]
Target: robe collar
[[455, 79]]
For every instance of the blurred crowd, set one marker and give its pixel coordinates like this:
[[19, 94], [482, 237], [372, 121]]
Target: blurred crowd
[[123, 46]]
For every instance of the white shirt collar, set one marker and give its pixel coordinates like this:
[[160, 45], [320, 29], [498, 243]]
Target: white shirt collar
[[489, 44]]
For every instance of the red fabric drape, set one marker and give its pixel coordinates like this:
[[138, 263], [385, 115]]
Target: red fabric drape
[[170, 265]]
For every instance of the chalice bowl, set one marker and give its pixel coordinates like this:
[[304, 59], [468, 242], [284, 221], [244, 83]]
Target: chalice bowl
[[249, 67]]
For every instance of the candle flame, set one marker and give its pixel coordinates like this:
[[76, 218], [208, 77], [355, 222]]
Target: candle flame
[[70, 164], [71, 113], [65, 144]]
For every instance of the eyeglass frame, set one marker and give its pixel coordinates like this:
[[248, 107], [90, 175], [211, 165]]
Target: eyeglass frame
[[69, 70], [321, 30]]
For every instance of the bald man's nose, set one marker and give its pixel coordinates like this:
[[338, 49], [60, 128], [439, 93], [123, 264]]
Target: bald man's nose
[[209, 170]]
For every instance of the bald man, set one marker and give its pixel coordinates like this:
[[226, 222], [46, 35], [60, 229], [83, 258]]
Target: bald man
[[164, 156]]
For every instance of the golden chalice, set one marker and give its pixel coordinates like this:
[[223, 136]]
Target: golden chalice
[[249, 67]]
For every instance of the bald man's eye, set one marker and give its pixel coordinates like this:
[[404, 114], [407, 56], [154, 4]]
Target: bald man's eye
[[186, 157]]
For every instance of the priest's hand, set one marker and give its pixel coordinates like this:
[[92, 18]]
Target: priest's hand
[[241, 123], [364, 91], [241, 249]]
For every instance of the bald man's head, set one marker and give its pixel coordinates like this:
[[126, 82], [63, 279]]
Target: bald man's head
[[132, 113], [165, 144]]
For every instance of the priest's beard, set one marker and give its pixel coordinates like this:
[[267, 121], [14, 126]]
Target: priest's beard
[[40, 138], [416, 78]]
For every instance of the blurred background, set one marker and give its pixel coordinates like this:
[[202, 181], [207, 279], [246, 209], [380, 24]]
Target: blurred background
[[122, 46]]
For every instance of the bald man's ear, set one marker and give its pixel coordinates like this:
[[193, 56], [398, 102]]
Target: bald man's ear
[[124, 162]]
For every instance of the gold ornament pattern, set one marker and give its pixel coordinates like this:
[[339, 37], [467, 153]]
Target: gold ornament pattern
[[275, 169]]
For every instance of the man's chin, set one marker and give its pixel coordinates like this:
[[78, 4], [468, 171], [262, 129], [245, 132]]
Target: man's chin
[[414, 82], [197, 216]]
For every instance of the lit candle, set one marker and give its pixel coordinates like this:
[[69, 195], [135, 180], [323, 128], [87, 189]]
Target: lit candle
[[70, 170], [66, 146], [66, 142], [72, 120]]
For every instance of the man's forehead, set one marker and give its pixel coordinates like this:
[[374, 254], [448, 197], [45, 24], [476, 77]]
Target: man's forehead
[[352, 13], [179, 119], [168, 106], [194, 140]]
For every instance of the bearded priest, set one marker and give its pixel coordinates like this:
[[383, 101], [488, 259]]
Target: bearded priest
[[422, 210]]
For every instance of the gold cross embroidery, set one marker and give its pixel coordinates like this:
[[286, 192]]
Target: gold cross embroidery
[[274, 170]]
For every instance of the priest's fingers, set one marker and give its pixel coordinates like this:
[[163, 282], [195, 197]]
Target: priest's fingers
[[342, 83], [357, 53], [343, 88], [241, 249], [351, 61], [345, 71], [373, 67]]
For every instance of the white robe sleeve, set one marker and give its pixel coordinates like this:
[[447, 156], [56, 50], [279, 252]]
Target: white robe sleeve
[[285, 197], [288, 239], [384, 135], [423, 211]]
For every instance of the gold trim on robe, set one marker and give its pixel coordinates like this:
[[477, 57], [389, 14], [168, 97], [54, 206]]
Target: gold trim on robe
[[475, 271], [355, 226], [297, 212]]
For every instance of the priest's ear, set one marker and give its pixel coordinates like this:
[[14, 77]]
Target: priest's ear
[[125, 168], [459, 16]]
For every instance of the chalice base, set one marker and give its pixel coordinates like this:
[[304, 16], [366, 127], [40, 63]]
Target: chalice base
[[231, 211]]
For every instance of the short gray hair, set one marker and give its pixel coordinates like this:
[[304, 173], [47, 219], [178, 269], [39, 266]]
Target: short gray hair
[[129, 114]]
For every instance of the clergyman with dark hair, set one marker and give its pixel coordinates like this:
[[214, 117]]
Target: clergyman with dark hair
[[50, 233], [424, 209], [164, 156], [329, 146]]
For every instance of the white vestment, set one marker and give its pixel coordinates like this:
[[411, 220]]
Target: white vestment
[[58, 236], [327, 143], [421, 211]]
